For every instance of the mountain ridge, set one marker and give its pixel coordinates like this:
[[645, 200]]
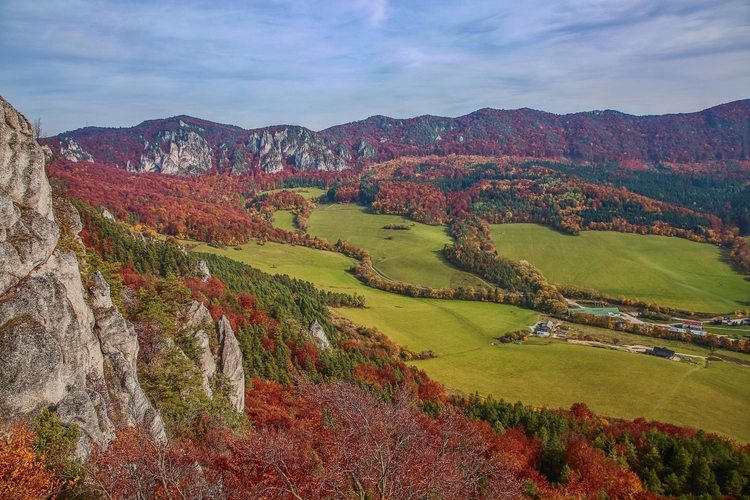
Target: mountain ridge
[[185, 145]]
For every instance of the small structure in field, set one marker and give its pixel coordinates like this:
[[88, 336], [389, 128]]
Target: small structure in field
[[544, 328], [661, 352]]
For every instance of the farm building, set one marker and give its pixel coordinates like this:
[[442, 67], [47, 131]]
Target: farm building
[[661, 352], [544, 328], [596, 311]]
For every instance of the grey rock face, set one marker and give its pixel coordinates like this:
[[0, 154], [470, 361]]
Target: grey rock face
[[231, 363], [365, 149], [295, 145], [202, 269], [131, 405], [195, 316], [71, 150], [28, 233], [107, 214], [320, 335], [54, 350], [183, 152], [207, 362], [88, 410]]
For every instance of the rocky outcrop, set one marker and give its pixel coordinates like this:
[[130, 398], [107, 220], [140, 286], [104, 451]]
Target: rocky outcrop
[[228, 356], [231, 363], [201, 268], [61, 345], [195, 316], [183, 152], [71, 150], [295, 145], [206, 361], [28, 232], [365, 149], [320, 336]]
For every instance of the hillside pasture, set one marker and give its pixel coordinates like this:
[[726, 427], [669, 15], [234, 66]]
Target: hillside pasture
[[413, 256], [540, 372], [307, 193], [671, 272], [284, 219], [556, 374]]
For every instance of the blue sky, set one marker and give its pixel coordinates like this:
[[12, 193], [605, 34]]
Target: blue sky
[[325, 62]]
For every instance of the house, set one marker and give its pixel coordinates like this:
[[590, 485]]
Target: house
[[544, 328], [661, 352], [596, 311]]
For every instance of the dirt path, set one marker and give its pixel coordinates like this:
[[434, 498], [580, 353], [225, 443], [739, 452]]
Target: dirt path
[[653, 414]]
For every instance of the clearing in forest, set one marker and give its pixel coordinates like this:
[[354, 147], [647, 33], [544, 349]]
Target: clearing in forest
[[413, 256], [671, 272]]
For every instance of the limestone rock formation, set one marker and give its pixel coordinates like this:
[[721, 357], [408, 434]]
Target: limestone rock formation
[[231, 363], [202, 269], [197, 319], [71, 150], [195, 316], [320, 336], [207, 362], [295, 145], [183, 152], [365, 149], [53, 346]]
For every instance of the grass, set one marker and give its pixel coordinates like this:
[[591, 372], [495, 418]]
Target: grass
[[306, 192], [420, 324], [624, 338], [558, 374], [284, 219], [412, 256], [668, 271], [540, 372]]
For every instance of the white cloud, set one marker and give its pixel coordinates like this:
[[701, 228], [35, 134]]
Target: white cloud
[[376, 10]]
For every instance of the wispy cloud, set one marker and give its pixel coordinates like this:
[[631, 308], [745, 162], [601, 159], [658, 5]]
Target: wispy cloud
[[117, 62], [375, 9]]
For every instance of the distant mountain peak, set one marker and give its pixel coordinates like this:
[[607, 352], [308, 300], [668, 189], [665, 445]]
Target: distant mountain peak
[[185, 145]]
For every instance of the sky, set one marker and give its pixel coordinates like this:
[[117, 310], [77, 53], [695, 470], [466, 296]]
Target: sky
[[320, 63]]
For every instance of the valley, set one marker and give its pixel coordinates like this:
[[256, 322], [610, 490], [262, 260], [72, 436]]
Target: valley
[[428, 274], [541, 372], [374, 250]]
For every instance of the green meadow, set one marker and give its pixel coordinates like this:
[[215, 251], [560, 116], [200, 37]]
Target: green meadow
[[284, 219], [305, 192], [420, 324], [412, 256], [557, 374], [668, 271], [540, 372]]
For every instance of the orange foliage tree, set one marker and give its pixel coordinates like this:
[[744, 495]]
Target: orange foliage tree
[[23, 474]]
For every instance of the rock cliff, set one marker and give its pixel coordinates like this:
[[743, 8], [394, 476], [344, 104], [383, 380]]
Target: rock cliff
[[63, 344], [183, 152], [231, 363], [295, 145], [227, 356]]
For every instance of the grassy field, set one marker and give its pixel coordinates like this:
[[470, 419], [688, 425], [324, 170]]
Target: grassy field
[[284, 219], [557, 374], [413, 256], [540, 372], [669, 271], [443, 326], [305, 192]]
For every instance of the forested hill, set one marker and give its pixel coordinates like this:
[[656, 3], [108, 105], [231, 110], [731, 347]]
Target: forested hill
[[184, 146], [721, 132]]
